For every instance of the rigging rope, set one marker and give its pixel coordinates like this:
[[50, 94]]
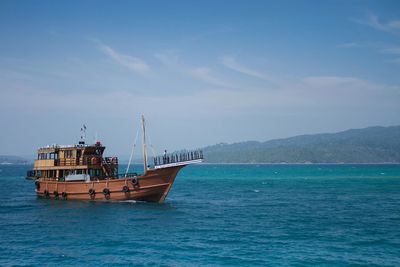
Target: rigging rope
[[133, 148], [152, 147]]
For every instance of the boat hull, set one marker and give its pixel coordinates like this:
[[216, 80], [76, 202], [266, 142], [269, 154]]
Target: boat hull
[[153, 186]]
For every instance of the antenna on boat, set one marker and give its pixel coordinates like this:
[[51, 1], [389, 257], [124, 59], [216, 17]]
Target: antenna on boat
[[83, 135], [144, 144]]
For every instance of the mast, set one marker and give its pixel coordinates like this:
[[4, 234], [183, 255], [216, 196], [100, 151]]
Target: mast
[[144, 144]]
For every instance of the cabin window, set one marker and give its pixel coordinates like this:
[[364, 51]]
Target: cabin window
[[68, 154]]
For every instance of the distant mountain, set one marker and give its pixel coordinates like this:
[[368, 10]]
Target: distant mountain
[[7, 159], [368, 145]]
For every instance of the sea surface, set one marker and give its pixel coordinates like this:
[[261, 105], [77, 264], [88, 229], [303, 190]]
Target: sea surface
[[233, 215]]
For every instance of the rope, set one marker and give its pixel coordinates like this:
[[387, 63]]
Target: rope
[[133, 148], [152, 147]]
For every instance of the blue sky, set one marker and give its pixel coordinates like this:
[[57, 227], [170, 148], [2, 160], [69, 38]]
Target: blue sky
[[202, 72]]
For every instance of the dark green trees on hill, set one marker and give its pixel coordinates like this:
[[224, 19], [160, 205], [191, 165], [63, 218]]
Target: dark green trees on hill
[[369, 145]]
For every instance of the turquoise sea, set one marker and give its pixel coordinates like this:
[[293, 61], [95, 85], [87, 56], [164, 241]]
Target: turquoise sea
[[243, 215]]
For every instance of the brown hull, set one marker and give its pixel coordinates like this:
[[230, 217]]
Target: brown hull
[[152, 186]]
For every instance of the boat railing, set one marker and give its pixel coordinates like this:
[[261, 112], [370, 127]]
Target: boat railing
[[86, 160], [110, 160], [178, 157]]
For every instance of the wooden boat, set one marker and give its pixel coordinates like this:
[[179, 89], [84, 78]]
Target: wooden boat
[[80, 172]]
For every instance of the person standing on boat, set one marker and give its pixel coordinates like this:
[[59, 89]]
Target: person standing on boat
[[165, 156]]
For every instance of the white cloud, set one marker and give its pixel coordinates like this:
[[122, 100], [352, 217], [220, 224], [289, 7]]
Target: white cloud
[[207, 34], [381, 48], [349, 92], [349, 45], [169, 59], [329, 81], [314, 102], [373, 21], [206, 75], [392, 53], [232, 64], [391, 50], [134, 64], [395, 60]]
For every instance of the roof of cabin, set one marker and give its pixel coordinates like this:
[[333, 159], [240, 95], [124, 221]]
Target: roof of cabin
[[54, 147]]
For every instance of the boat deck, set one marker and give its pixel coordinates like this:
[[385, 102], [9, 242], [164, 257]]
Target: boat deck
[[181, 163]]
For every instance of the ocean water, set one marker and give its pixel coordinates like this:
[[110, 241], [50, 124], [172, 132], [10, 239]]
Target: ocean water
[[246, 215]]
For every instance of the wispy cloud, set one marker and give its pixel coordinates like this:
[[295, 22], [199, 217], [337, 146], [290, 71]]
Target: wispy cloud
[[205, 74], [134, 64], [349, 45], [270, 81], [231, 63], [200, 36], [375, 22], [394, 52], [395, 60], [330, 81], [391, 50], [170, 59]]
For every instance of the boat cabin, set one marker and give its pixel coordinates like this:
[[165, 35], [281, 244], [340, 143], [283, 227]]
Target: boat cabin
[[74, 163]]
